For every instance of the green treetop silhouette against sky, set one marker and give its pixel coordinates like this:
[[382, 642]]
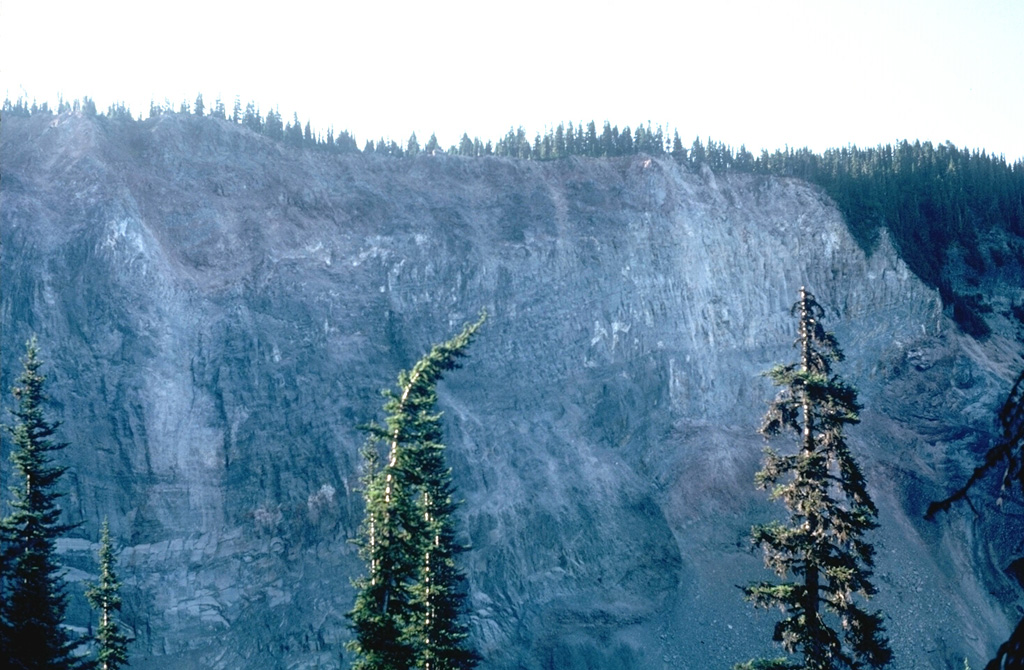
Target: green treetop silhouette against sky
[[764, 74]]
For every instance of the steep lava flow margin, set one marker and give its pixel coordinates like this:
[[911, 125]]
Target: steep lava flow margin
[[219, 313]]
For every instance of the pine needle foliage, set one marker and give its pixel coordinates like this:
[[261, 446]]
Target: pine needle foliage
[[105, 597], [34, 600], [821, 548], [382, 612], [408, 606]]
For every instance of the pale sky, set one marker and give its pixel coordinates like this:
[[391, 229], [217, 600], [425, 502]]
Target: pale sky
[[766, 73]]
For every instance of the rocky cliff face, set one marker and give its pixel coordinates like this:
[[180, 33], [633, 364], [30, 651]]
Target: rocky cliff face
[[219, 313]]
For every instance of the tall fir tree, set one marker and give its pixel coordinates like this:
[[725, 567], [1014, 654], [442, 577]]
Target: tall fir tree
[[408, 606], [105, 597], [34, 597], [822, 548]]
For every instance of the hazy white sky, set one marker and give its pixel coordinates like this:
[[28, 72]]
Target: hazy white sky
[[765, 73]]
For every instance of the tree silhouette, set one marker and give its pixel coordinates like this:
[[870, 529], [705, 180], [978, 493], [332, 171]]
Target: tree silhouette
[[407, 608], [105, 597], [822, 487], [34, 601]]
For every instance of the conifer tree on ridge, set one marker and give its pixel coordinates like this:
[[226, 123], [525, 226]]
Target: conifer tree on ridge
[[822, 547]]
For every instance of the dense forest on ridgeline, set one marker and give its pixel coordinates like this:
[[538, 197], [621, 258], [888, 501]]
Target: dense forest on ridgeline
[[936, 201]]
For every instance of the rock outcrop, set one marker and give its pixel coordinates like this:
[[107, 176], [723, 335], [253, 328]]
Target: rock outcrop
[[219, 313]]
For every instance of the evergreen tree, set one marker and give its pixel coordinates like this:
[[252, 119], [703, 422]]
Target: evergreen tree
[[293, 132], [383, 610], [251, 119], [560, 149], [413, 147], [407, 608], [744, 160], [118, 110], [198, 106], [438, 598], [626, 142], [590, 147], [34, 596], [678, 152], [697, 155], [432, 146], [547, 147], [520, 145], [345, 143], [609, 140], [105, 597], [272, 126], [824, 490]]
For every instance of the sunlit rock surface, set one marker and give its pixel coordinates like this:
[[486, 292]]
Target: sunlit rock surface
[[219, 312]]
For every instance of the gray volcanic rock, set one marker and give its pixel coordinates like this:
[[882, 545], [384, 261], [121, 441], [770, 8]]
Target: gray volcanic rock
[[219, 312]]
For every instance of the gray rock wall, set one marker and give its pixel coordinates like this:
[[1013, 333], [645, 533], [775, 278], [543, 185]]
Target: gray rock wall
[[219, 313]]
